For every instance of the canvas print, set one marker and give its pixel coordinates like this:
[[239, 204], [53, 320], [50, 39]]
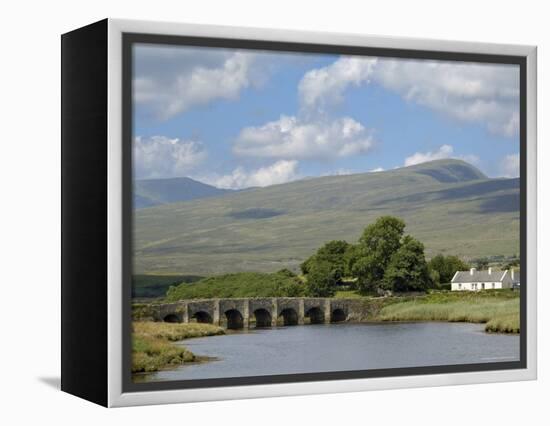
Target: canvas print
[[298, 213]]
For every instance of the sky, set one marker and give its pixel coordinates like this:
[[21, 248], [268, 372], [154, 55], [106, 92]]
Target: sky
[[241, 118]]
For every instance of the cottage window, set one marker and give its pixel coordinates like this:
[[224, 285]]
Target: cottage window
[[460, 286], [483, 286]]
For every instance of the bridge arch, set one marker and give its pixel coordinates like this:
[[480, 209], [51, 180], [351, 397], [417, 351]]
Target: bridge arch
[[262, 312], [289, 316], [171, 318], [202, 317], [234, 319], [315, 315], [263, 318], [338, 315]]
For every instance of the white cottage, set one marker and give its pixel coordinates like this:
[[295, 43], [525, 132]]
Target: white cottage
[[473, 280]]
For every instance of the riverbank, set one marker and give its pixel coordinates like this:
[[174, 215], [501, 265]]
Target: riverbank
[[498, 310], [153, 348]]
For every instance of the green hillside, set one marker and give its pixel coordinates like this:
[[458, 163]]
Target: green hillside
[[243, 284], [151, 286], [448, 204], [152, 192]]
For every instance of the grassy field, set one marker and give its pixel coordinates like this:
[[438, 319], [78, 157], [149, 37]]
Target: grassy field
[[499, 310], [447, 204], [243, 284], [152, 349], [155, 286], [348, 294]]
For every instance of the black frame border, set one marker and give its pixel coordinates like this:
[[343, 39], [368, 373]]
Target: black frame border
[[129, 39], [84, 185]]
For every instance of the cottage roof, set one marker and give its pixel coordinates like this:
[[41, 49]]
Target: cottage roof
[[478, 276]]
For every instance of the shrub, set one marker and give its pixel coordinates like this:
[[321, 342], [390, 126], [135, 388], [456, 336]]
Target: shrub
[[243, 284], [321, 280]]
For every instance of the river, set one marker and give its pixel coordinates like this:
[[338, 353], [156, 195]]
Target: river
[[339, 347]]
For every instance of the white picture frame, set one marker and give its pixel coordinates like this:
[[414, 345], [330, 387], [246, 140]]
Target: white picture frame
[[116, 394]]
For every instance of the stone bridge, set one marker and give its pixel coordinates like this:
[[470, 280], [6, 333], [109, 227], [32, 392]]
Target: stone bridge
[[261, 312]]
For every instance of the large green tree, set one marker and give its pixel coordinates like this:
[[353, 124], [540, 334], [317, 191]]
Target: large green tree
[[407, 269], [333, 253], [376, 247], [321, 280], [443, 268], [350, 257]]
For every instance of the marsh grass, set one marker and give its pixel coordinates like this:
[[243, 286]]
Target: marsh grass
[[152, 347], [174, 331], [504, 324], [500, 313]]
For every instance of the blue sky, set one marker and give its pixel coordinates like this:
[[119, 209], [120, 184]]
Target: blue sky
[[236, 118]]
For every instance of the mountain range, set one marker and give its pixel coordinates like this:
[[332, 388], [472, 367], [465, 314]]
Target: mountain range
[[193, 228], [153, 192]]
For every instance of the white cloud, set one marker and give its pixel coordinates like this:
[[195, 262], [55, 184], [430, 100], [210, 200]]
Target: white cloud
[[338, 172], [279, 172], [171, 80], [444, 151], [509, 166], [342, 172], [292, 137], [159, 156], [324, 86], [376, 170], [468, 92], [313, 134], [469, 158], [478, 93]]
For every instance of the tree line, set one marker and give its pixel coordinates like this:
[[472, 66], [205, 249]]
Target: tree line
[[384, 259]]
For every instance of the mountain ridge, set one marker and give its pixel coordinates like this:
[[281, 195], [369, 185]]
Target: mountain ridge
[[448, 204], [152, 192]]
